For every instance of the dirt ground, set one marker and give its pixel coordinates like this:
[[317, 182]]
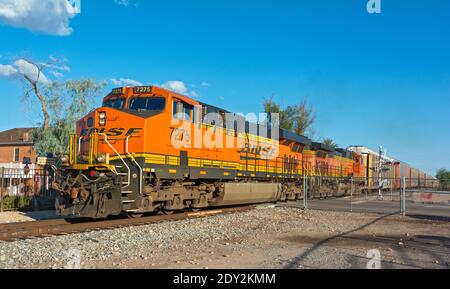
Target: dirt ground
[[17, 217]]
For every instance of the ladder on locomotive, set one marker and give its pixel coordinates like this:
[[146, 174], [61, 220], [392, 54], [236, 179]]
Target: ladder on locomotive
[[125, 174]]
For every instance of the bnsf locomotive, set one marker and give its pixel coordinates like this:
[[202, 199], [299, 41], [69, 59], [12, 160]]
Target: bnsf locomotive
[[126, 158]]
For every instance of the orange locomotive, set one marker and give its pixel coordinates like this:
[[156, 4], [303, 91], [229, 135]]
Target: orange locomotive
[[144, 150]]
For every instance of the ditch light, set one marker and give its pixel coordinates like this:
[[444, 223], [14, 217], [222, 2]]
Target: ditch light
[[102, 116]]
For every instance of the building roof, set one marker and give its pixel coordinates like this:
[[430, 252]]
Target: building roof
[[16, 136]]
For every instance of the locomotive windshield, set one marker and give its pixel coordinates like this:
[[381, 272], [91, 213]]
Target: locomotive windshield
[[148, 103], [118, 103]]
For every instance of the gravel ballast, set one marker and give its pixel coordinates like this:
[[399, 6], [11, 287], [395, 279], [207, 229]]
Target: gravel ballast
[[267, 237]]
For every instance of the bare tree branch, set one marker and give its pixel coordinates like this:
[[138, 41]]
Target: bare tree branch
[[37, 91]]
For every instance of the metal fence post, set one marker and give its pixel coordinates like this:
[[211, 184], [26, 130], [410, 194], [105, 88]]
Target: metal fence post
[[404, 199], [351, 196], [392, 189], [1, 189], [402, 184], [305, 193]]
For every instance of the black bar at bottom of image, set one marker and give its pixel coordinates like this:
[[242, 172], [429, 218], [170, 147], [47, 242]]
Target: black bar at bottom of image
[[226, 278]]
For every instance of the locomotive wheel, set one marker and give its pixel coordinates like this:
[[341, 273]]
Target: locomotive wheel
[[135, 216], [166, 212]]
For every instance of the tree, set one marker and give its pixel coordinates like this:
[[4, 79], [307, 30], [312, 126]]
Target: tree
[[304, 118], [329, 142], [444, 177], [296, 118], [61, 103], [33, 74], [67, 102]]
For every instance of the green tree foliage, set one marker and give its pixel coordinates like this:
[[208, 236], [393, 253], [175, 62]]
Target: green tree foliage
[[67, 102], [296, 118], [329, 142], [444, 177]]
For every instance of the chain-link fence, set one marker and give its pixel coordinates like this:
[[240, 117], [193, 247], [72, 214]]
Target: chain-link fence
[[25, 189], [435, 193], [407, 196]]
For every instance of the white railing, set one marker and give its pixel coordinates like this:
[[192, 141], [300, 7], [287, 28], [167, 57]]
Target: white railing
[[120, 157]]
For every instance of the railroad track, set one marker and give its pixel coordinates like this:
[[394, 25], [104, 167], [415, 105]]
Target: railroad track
[[27, 230]]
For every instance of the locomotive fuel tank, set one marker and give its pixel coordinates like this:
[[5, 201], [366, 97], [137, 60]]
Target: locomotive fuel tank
[[248, 193]]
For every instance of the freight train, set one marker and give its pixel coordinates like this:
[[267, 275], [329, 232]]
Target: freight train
[[144, 151], [387, 172]]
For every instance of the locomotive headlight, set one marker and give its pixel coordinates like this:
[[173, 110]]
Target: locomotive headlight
[[102, 117], [101, 159], [65, 159]]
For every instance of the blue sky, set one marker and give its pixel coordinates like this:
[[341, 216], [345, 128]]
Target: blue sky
[[373, 79]]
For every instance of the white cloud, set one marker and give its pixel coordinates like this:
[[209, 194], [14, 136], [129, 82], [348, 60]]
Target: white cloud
[[56, 59], [22, 67], [7, 70], [53, 58], [60, 67], [56, 74], [45, 16], [125, 82], [123, 2], [115, 81], [30, 70], [176, 86], [180, 87], [127, 3], [173, 85], [205, 84]]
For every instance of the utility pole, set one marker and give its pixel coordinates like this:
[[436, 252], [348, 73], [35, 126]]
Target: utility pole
[[380, 169]]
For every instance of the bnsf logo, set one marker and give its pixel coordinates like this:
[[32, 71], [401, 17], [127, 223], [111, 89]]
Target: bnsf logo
[[113, 132]]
